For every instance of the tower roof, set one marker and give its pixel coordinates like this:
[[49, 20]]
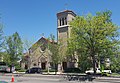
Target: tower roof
[[66, 11]]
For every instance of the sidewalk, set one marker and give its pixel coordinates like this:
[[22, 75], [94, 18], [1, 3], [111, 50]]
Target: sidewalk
[[23, 74], [49, 74]]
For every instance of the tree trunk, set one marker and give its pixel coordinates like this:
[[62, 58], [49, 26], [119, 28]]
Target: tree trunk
[[56, 65], [48, 68], [94, 62]]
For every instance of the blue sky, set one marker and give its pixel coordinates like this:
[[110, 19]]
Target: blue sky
[[31, 18]]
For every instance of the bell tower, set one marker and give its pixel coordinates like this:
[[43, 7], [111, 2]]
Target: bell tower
[[63, 33], [63, 27]]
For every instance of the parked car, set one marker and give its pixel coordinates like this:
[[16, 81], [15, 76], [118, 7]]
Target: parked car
[[92, 72], [98, 71], [4, 67], [34, 70], [72, 70]]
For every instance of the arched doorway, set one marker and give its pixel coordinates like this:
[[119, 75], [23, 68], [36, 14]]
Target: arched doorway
[[43, 62]]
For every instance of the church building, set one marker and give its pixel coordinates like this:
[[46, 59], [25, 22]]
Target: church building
[[39, 55]]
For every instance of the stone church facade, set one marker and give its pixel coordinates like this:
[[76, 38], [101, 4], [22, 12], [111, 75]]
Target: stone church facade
[[39, 55]]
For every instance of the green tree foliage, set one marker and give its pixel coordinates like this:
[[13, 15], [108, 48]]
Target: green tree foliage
[[115, 64], [94, 36], [57, 51], [14, 48], [54, 49], [27, 44]]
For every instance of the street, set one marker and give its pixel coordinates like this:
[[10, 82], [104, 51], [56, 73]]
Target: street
[[37, 78]]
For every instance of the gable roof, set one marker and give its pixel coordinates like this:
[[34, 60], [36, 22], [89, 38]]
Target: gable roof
[[40, 42]]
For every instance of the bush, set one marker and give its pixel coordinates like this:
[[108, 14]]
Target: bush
[[17, 68], [72, 70], [105, 74], [21, 70]]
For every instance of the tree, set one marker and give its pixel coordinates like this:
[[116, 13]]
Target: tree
[[26, 58], [58, 52], [62, 52], [83, 61], [27, 44], [115, 62], [2, 54], [54, 49], [14, 48], [95, 36]]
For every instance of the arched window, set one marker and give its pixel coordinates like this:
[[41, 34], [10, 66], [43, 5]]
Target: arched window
[[65, 21], [62, 21]]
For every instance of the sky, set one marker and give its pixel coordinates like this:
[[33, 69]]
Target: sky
[[31, 18]]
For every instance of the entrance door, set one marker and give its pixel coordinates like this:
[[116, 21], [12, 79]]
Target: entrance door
[[43, 66], [64, 65]]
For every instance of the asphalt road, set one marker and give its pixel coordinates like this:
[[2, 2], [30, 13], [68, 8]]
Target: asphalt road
[[37, 78]]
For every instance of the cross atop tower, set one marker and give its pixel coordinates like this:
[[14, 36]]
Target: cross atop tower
[[66, 6]]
